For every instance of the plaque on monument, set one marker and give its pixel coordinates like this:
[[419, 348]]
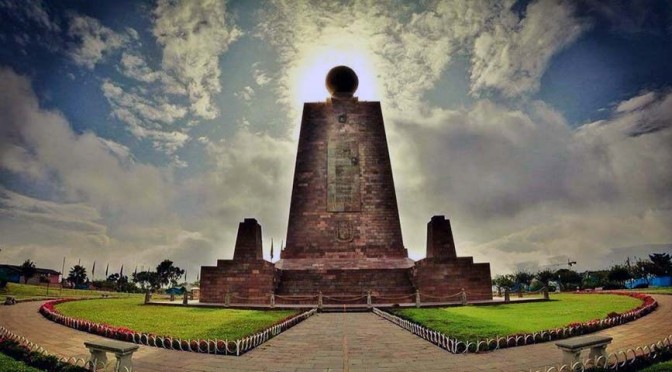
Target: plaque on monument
[[343, 175]]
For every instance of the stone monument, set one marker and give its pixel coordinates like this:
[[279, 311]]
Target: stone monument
[[344, 235]]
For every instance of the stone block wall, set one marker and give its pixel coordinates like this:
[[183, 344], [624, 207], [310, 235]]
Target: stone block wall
[[247, 282], [445, 277], [354, 218]]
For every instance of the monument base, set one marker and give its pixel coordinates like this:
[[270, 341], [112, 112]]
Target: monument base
[[246, 282], [443, 279], [345, 286]]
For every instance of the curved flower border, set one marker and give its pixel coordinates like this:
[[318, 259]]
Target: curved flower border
[[456, 346], [209, 346]]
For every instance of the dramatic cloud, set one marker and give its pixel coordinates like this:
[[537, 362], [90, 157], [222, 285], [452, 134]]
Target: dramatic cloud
[[96, 174], [147, 118], [193, 35], [511, 54], [135, 67], [92, 40], [522, 185]]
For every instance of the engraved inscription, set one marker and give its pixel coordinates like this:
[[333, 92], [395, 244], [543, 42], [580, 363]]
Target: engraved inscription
[[343, 175]]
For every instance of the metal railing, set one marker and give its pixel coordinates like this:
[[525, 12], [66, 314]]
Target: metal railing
[[457, 346], [629, 359]]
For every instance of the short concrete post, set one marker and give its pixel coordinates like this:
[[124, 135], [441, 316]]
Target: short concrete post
[[319, 300], [148, 297], [368, 299], [227, 299], [545, 289], [417, 298], [463, 297], [520, 292], [172, 297], [185, 298], [272, 300], [507, 297]]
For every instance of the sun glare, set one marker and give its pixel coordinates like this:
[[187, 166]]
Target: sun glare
[[309, 78]]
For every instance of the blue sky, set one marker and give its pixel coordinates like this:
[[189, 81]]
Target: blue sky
[[133, 131]]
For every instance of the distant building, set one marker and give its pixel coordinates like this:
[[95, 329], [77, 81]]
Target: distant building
[[42, 276]]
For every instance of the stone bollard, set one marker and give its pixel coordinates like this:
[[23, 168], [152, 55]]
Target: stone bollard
[[148, 297], [227, 299], [368, 299], [417, 298], [463, 297], [319, 300], [272, 300], [507, 297], [185, 298], [545, 289], [172, 297]]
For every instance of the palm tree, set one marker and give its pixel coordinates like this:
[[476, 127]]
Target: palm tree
[[77, 275], [27, 270]]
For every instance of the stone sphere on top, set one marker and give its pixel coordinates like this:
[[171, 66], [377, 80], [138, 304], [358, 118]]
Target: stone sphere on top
[[342, 82]]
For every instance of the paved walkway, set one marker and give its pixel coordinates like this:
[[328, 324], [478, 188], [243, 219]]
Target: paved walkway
[[334, 342]]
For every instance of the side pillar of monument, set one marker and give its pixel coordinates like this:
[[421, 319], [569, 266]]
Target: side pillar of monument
[[247, 278], [442, 274]]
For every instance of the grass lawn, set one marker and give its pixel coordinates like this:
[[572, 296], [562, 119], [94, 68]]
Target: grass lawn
[[23, 291], [660, 367], [477, 322], [175, 321], [8, 364]]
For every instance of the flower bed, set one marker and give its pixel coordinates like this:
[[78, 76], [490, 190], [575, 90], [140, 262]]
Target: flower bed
[[227, 347], [456, 346], [19, 349]]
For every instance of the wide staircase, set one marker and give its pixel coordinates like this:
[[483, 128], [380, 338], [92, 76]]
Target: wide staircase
[[345, 286]]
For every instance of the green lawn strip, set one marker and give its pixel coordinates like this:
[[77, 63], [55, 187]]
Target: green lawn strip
[[26, 291], [9, 364], [174, 321], [478, 322], [659, 367]]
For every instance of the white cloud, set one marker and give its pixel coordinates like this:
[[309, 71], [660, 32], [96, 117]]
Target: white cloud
[[135, 67], [636, 103], [42, 143], [98, 190], [511, 55], [194, 34], [147, 118], [409, 49], [92, 40], [522, 185], [261, 77], [246, 94]]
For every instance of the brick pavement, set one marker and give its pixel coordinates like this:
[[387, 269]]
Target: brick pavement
[[334, 342]]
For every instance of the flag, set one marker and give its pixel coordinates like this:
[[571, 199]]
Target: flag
[[185, 276], [136, 271], [106, 270], [93, 270], [271, 248], [121, 272]]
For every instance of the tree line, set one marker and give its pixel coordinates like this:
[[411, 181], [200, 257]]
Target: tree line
[[656, 265], [166, 273]]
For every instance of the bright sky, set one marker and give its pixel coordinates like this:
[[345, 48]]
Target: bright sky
[[133, 131]]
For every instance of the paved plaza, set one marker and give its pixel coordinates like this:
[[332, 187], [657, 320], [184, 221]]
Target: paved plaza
[[335, 342]]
